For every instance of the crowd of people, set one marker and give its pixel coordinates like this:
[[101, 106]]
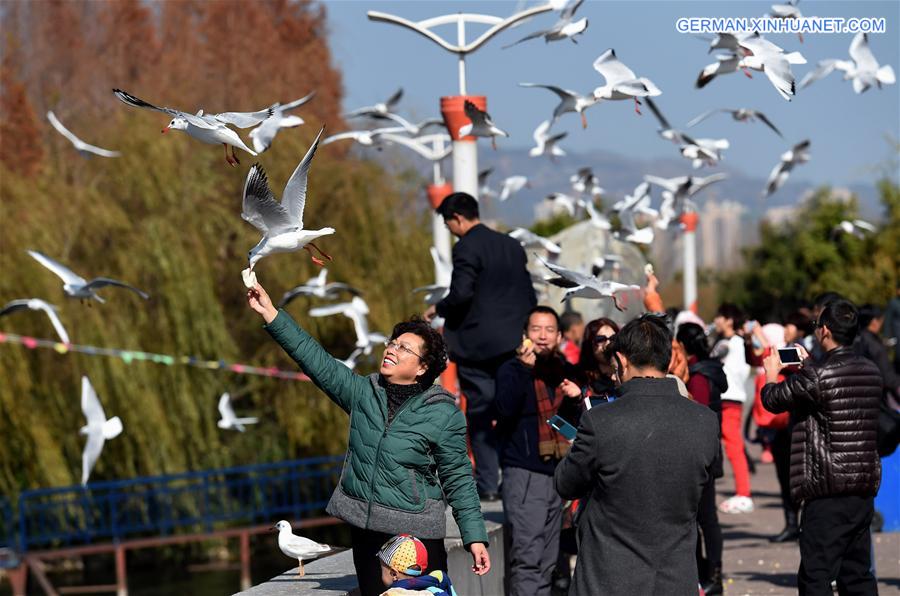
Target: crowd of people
[[603, 440]]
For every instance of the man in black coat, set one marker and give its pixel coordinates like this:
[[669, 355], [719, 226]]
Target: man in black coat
[[485, 310], [641, 463], [835, 470]]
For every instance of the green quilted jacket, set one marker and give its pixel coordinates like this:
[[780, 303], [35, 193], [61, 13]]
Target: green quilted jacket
[[397, 477]]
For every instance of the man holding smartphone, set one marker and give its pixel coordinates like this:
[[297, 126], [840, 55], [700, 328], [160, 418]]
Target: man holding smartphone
[[532, 388], [835, 470]]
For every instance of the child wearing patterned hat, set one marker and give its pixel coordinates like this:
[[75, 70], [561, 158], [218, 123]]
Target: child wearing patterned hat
[[404, 561]]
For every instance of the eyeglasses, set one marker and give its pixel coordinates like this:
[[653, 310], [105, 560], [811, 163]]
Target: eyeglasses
[[602, 339], [394, 345]]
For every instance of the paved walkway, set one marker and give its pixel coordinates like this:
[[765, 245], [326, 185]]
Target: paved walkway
[[753, 565]]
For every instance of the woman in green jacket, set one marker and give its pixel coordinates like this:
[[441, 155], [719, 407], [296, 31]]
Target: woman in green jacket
[[406, 458]]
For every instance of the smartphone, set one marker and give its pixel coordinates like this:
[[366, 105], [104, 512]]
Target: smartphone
[[563, 427], [789, 355], [591, 402]]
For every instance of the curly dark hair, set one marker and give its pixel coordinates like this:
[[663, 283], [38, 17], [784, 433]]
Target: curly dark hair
[[434, 354]]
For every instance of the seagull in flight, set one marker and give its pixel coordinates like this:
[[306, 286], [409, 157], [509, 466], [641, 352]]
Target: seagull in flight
[[480, 124], [83, 148], [798, 154], [384, 111], [207, 128], [511, 185], [569, 101], [76, 286], [263, 135], [863, 69], [281, 223], [621, 82], [856, 227], [585, 181], [565, 28], [529, 239], [318, 288], [629, 231], [484, 190], [298, 547], [739, 114], [597, 219], [227, 418], [683, 188], [753, 52], [355, 310], [38, 304], [98, 429], [699, 151], [582, 285], [563, 201], [545, 144]]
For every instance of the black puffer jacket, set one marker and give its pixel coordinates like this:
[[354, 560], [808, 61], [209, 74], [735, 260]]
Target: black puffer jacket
[[835, 406]]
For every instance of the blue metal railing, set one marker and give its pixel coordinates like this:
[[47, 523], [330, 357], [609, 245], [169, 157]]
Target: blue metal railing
[[172, 504]]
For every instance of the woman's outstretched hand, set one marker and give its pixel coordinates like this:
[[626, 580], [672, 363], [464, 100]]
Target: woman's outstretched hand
[[259, 300], [481, 560]]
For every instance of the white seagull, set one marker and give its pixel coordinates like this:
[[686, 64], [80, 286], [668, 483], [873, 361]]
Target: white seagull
[[629, 231], [546, 144], [621, 82], [485, 191], [585, 181], [598, 220], [699, 151], [383, 111], [763, 55], [38, 304], [436, 292], [569, 101], [355, 310], [857, 227], [582, 285], [207, 128], [740, 114], [480, 124], [863, 68], [640, 193], [563, 201], [298, 547], [798, 154], [529, 239], [83, 148], [366, 138], [76, 286], [98, 429], [317, 287], [511, 185], [565, 28], [227, 418], [683, 187], [263, 135], [787, 11], [281, 223]]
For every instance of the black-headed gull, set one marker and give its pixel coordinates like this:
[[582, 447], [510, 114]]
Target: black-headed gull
[[355, 310], [684, 187], [263, 135], [863, 68], [298, 547], [281, 223], [585, 181], [856, 227], [98, 429], [582, 285], [367, 138], [597, 219], [511, 185], [480, 124], [382, 111], [38, 304], [739, 114], [545, 143], [640, 193], [83, 148], [227, 418], [529, 239], [436, 292], [699, 151], [621, 82], [798, 154], [207, 128], [485, 191], [563, 201], [76, 286], [756, 53], [565, 28], [318, 288], [569, 101], [630, 232]]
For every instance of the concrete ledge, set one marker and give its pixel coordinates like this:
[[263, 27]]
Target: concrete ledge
[[335, 575]]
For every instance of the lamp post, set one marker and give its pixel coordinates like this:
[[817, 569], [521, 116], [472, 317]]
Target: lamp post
[[689, 220]]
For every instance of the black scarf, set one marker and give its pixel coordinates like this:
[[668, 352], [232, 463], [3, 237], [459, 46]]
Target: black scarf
[[397, 395]]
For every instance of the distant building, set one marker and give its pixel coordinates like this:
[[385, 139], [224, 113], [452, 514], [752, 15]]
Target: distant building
[[721, 235]]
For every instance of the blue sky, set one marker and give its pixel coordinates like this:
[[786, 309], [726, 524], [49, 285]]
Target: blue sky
[[847, 130]]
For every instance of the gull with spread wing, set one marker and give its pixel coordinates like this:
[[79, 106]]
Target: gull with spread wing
[[529, 239], [318, 288], [683, 187], [76, 286], [383, 111], [263, 135], [480, 125], [38, 304], [511, 185], [863, 69], [98, 429], [355, 310], [739, 114], [227, 418], [699, 151], [83, 148], [207, 128], [597, 219], [562, 201], [798, 154], [857, 227], [545, 143], [565, 28], [621, 82], [281, 223], [582, 285], [569, 101], [585, 181]]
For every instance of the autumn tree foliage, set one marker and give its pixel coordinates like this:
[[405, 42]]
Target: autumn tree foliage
[[165, 217]]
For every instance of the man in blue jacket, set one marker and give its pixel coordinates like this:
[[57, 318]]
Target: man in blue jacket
[[489, 299]]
